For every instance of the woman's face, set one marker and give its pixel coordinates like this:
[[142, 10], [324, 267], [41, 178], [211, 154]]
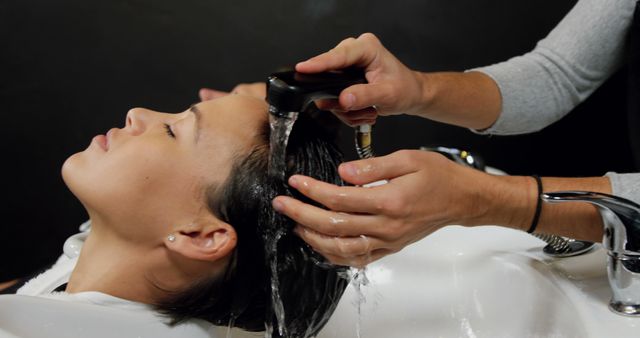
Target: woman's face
[[153, 172]]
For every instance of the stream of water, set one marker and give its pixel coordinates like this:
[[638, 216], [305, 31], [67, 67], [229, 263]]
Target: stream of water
[[280, 130]]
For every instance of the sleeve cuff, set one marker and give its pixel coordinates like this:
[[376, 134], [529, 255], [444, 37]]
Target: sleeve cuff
[[625, 185]]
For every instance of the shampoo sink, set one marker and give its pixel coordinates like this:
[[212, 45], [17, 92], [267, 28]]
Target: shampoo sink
[[483, 282]]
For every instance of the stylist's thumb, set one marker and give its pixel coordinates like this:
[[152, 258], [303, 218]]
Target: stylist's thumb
[[387, 167]]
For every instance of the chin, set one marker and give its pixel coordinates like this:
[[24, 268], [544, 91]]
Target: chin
[[92, 185], [74, 174], [69, 168], [80, 186]]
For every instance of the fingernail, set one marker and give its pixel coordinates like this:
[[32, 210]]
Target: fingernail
[[350, 100], [277, 205], [350, 169], [367, 168], [293, 181]]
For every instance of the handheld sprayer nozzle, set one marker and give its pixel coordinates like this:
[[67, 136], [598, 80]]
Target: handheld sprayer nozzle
[[291, 91]]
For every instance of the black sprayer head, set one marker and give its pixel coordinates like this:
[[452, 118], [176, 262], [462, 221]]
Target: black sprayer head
[[291, 91]]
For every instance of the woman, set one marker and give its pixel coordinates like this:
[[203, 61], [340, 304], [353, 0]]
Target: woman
[[180, 210]]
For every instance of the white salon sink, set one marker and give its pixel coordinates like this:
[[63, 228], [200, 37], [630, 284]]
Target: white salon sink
[[483, 282]]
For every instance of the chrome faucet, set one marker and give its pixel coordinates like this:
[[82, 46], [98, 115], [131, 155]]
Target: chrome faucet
[[621, 239]]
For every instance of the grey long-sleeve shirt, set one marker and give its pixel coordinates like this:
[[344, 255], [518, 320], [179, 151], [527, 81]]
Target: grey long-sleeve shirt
[[579, 54]]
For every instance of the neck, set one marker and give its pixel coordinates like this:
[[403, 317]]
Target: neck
[[112, 266]]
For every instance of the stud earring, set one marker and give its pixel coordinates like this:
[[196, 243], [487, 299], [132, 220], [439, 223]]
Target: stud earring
[[171, 238]]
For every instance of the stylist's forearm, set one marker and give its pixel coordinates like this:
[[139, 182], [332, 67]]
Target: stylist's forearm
[[513, 201], [577, 220], [470, 99]]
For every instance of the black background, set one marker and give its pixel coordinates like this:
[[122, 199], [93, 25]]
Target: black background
[[70, 69]]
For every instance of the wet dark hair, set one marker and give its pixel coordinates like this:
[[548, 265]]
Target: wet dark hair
[[242, 297]]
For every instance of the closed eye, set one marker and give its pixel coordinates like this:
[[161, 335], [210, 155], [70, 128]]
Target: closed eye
[[167, 127]]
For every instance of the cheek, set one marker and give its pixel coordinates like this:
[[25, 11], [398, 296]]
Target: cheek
[[131, 182]]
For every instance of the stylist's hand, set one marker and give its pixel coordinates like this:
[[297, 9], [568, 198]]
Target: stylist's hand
[[425, 192], [392, 89], [256, 89]]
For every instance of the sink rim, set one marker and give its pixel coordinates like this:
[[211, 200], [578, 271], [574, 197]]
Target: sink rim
[[581, 279]]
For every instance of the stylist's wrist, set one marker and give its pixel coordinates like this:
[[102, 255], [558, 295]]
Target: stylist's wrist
[[508, 201], [424, 101]]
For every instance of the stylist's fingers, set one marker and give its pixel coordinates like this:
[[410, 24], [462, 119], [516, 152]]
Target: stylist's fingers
[[357, 261], [354, 118], [360, 52], [339, 246], [362, 96], [335, 107], [359, 122], [361, 99], [387, 167], [330, 223], [255, 89], [341, 199], [328, 104], [207, 94]]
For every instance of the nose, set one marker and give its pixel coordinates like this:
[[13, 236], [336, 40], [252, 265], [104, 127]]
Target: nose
[[138, 120]]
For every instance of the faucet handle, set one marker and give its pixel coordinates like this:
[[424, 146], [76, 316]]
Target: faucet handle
[[621, 218]]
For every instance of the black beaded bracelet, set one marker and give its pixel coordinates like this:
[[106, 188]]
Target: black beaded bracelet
[[536, 216]]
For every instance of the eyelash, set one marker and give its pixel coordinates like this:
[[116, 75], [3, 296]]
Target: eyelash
[[169, 131]]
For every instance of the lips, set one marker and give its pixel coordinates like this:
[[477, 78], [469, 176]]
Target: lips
[[101, 141], [104, 141], [109, 137]]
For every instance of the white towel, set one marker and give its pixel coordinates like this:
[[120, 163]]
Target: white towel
[[60, 272], [45, 283]]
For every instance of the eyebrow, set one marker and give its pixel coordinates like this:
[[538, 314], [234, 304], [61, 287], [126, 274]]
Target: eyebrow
[[198, 114]]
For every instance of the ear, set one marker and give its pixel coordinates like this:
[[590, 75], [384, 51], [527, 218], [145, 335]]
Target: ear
[[206, 240]]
